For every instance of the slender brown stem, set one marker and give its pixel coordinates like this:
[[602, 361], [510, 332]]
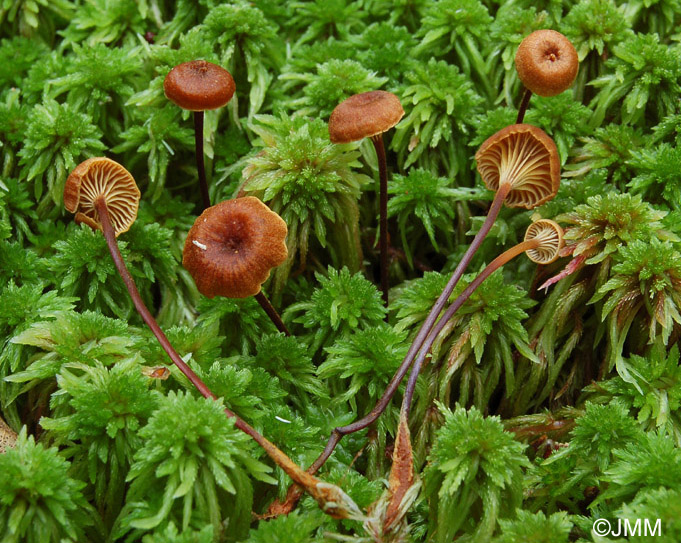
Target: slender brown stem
[[523, 105], [271, 313], [383, 215], [295, 472], [493, 266], [198, 145], [423, 332]]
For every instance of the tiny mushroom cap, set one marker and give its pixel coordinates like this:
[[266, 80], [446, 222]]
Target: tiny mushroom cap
[[547, 62], [232, 247], [102, 177], [524, 157], [550, 237], [364, 115], [199, 85]]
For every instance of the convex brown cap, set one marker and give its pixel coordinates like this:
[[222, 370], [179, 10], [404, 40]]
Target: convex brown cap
[[199, 85], [547, 62], [550, 236], [364, 115], [101, 176], [232, 247], [525, 157]]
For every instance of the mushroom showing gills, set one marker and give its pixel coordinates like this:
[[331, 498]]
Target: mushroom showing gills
[[542, 243], [103, 194], [547, 64], [231, 249], [521, 163], [368, 115], [199, 86]]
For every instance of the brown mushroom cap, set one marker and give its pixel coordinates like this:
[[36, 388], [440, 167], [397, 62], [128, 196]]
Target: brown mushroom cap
[[547, 62], [232, 246], [550, 235], [525, 157], [101, 176], [364, 115], [199, 85]]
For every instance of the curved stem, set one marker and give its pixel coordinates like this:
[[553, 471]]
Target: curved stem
[[198, 145], [523, 105], [423, 333], [271, 312], [493, 266], [294, 471], [383, 215]]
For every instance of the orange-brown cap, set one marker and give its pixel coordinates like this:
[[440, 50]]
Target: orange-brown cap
[[232, 247], [101, 176], [364, 115], [199, 85], [524, 157], [550, 237], [547, 62]]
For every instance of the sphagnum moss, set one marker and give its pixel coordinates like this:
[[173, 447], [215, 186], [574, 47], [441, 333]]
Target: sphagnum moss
[[588, 370]]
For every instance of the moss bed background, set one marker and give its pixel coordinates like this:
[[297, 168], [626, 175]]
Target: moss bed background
[[538, 411]]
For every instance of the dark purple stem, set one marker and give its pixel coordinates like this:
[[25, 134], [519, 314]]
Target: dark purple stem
[[493, 266], [198, 141], [383, 215], [110, 236], [271, 313], [423, 332], [523, 105]]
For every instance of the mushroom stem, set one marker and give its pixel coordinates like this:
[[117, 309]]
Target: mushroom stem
[[493, 266], [421, 337], [110, 236], [271, 313], [377, 140], [283, 461], [200, 166], [527, 94]]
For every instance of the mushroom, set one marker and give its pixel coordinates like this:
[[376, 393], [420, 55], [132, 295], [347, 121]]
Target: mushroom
[[231, 249], [198, 86], [542, 243], [103, 195], [521, 163], [547, 64], [368, 115]]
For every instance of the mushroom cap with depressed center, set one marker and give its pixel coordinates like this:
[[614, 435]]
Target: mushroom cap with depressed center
[[101, 176], [547, 62], [199, 85], [524, 157], [364, 115], [232, 247], [550, 236]]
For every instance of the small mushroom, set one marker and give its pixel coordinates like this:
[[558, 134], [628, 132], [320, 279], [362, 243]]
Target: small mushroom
[[547, 64], [368, 115], [102, 177], [542, 243], [231, 249], [103, 195], [520, 162], [198, 86], [547, 235]]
